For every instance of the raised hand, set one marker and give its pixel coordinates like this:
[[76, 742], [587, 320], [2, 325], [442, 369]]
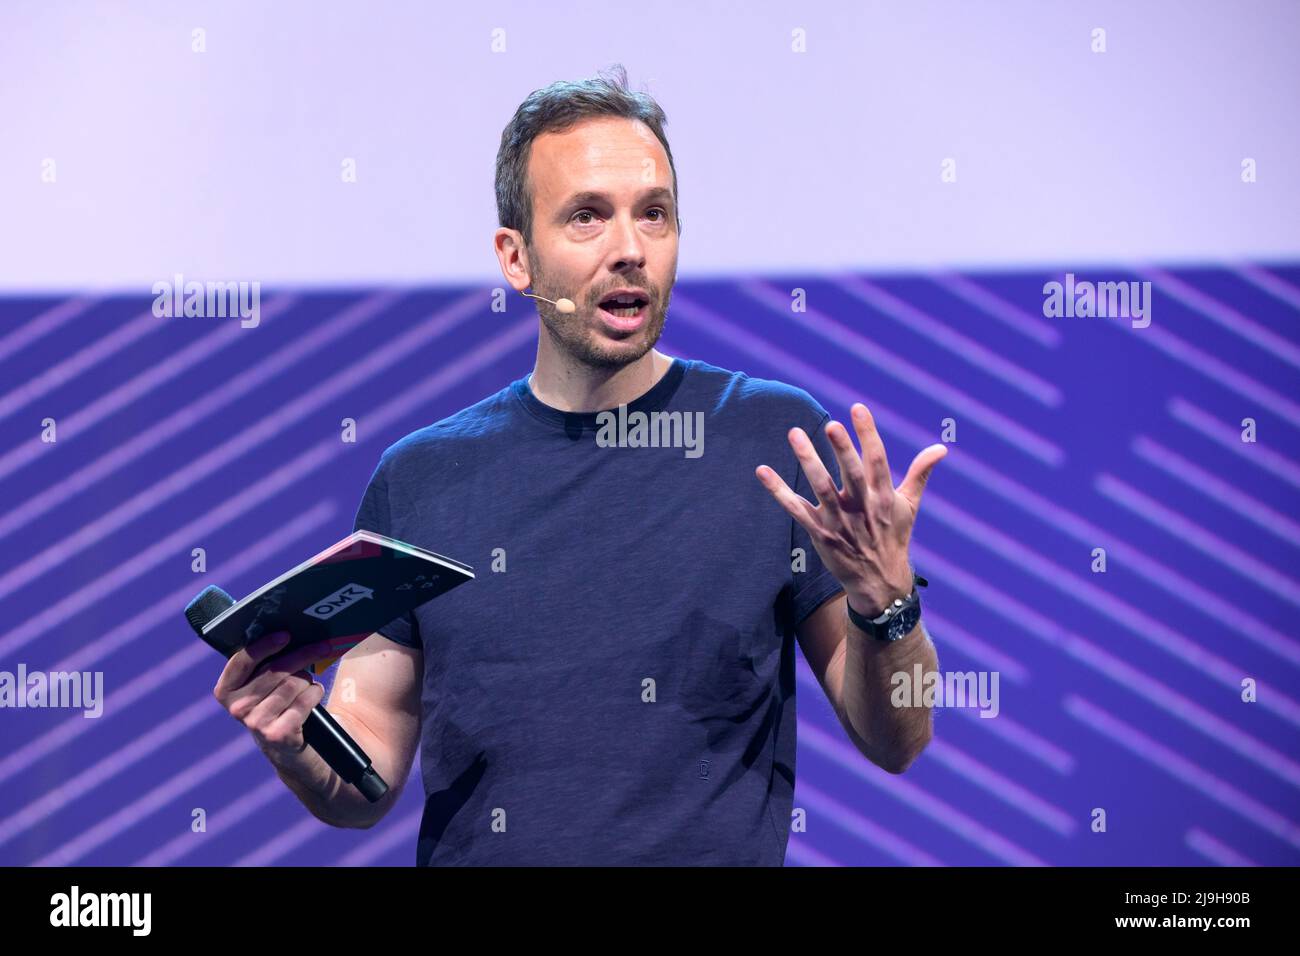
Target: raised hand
[[861, 531]]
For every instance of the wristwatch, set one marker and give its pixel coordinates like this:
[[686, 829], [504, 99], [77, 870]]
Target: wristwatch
[[896, 621]]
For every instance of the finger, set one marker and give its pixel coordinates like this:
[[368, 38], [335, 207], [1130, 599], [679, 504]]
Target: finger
[[295, 714], [918, 475], [271, 672], [797, 506], [819, 479], [852, 474], [272, 704], [874, 460], [239, 668], [295, 659]]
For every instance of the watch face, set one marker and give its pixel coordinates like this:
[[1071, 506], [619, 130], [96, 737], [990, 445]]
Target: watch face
[[903, 622]]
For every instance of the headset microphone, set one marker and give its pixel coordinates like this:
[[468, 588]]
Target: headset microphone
[[564, 305]]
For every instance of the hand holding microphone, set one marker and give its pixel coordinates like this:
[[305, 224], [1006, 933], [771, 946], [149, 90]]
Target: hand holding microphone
[[272, 700], [278, 702]]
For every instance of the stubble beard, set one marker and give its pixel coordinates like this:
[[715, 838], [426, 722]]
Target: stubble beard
[[584, 341]]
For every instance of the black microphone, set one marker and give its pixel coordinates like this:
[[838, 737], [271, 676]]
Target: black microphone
[[321, 731]]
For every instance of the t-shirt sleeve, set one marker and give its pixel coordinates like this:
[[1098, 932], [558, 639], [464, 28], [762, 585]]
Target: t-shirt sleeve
[[373, 515], [815, 584]]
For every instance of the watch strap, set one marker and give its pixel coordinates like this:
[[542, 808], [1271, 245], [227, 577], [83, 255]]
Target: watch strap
[[878, 627]]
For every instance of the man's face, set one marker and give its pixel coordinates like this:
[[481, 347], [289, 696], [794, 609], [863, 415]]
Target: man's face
[[604, 218]]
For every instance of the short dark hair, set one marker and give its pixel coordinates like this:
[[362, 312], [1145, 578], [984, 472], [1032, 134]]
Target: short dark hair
[[557, 108]]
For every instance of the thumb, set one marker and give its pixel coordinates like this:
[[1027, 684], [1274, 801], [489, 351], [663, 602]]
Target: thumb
[[918, 475]]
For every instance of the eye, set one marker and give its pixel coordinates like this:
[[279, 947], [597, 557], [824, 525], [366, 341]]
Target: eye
[[662, 214], [582, 212]]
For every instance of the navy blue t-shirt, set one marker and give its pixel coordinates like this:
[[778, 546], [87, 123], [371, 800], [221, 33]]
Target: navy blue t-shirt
[[616, 685]]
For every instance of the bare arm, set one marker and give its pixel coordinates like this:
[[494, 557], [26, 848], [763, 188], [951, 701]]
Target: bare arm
[[855, 671], [376, 699]]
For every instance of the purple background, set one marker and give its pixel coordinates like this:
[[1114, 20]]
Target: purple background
[[817, 171]]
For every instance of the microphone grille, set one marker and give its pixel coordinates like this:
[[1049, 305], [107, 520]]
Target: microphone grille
[[209, 602]]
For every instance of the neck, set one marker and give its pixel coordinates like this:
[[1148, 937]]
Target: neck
[[573, 387]]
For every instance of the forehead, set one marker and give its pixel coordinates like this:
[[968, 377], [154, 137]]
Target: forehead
[[610, 154]]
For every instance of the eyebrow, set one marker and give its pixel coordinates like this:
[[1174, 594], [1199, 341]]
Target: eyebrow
[[661, 193]]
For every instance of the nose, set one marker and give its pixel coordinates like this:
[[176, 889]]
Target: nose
[[627, 246]]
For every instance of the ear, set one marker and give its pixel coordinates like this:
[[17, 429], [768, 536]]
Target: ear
[[512, 256]]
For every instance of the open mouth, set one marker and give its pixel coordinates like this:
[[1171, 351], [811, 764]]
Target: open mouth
[[624, 306]]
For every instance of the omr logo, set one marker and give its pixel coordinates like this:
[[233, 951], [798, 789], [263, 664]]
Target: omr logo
[[340, 600]]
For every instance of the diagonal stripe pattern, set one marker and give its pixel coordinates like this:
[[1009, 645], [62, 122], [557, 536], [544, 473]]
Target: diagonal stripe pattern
[[1114, 532]]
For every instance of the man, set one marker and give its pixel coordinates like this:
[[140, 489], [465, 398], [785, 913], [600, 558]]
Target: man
[[616, 686]]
